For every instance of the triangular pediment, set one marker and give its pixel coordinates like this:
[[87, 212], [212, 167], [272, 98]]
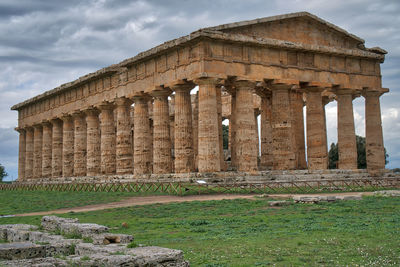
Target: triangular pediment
[[301, 27]]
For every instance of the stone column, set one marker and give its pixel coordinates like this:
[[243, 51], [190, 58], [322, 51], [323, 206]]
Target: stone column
[[266, 133], [68, 146], [184, 154], [316, 136], [195, 122], [162, 157], [375, 151], [47, 149], [108, 139], [29, 153], [232, 129], [80, 140], [256, 113], [208, 133], [37, 150], [297, 104], [21, 153], [93, 142], [245, 136], [124, 153], [57, 148], [282, 129], [220, 130], [347, 145], [142, 146]]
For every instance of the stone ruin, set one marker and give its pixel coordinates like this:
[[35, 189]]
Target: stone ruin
[[81, 244]]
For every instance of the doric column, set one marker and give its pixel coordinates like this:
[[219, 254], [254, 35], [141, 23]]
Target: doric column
[[80, 140], [29, 153], [162, 157], [346, 133], [47, 149], [37, 150], [282, 129], [316, 137], [108, 138], [220, 130], [375, 151], [21, 153], [266, 133], [92, 142], [195, 122], [245, 136], [208, 133], [184, 154], [68, 146], [256, 113], [232, 128], [297, 104], [123, 146], [142, 146], [57, 148]]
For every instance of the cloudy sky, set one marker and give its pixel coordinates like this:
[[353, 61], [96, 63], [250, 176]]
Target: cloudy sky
[[44, 43]]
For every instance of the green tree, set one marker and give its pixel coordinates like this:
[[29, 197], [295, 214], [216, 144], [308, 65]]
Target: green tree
[[2, 173], [225, 135], [361, 155]]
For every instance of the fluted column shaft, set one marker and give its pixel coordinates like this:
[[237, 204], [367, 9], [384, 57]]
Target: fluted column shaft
[[57, 148], [93, 142], [142, 146], [184, 153], [123, 146], [47, 149], [208, 132], [232, 130], [245, 136], [21, 154], [266, 133], [107, 139], [282, 128], [162, 157], [29, 153], [195, 122], [297, 104], [316, 136], [346, 133], [375, 151], [80, 139], [220, 130], [68, 146], [37, 151]]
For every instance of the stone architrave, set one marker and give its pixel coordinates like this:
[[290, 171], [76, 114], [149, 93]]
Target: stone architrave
[[142, 146], [68, 146], [162, 157], [184, 153], [107, 139], [47, 149], [29, 153], [37, 150], [208, 132], [21, 154], [347, 146], [375, 151], [123, 146], [57, 148], [245, 135], [80, 140], [93, 158]]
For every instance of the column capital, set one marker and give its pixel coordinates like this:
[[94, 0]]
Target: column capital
[[122, 101], [105, 105], [77, 113], [92, 111], [245, 84], [66, 117], [208, 81], [374, 92], [160, 92], [315, 86], [38, 126], [20, 130], [281, 84], [46, 123], [141, 96], [55, 120], [181, 85]]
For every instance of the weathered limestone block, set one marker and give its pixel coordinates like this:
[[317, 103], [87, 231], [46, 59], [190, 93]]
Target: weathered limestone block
[[57, 148], [279, 203], [107, 238], [53, 223], [108, 139], [38, 262], [184, 153], [21, 250], [245, 136], [162, 157], [37, 150], [346, 133], [84, 229], [29, 153], [124, 152], [209, 159], [21, 154], [142, 146], [17, 235], [80, 139], [68, 146], [5, 227], [93, 155], [47, 149], [266, 133]]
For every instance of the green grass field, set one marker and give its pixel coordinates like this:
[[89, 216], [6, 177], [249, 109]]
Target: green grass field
[[250, 233]]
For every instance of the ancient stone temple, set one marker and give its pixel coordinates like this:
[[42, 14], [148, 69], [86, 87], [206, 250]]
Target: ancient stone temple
[[139, 116]]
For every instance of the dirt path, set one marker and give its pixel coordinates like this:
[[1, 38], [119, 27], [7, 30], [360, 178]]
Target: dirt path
[[138, 201]]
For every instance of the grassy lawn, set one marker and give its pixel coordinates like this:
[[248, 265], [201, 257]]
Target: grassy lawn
[[249, 233], [14, 202]]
